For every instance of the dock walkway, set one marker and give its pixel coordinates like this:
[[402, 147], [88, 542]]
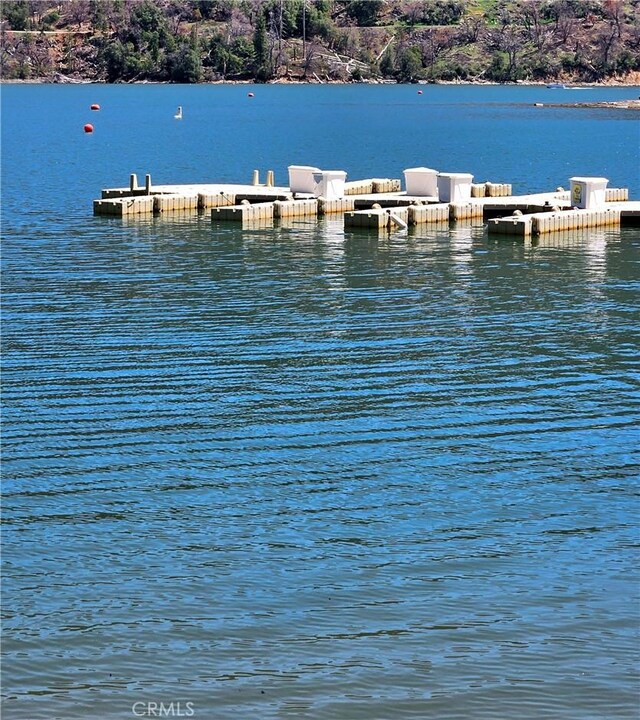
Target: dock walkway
[[371, 203]]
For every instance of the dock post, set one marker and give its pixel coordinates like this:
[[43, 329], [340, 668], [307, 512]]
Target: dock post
[[147, 184], [270, 179], [256, 177], [133, 182]]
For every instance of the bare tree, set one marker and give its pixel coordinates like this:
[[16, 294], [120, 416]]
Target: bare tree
[[606, 41], [533, 22], [434, 43], [634, 36], [239, 23], [310, 64], [509, 41], [471, 28], [614, 10], [565, 27], [78, 12], [174, 22], [40, 57]]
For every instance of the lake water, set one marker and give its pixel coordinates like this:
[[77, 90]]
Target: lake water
[[302, 473]]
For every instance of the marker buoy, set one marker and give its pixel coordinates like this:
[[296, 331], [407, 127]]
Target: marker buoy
[[249, 94], [88, 128], [95, 106], [419, 92]]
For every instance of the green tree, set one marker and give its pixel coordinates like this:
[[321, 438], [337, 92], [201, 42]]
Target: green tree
[[184, 65], [50, 20], [364, 12], [141, 49], [16, 14], [218, 10], [113, 59], [233, 59], [436, 12], [387, 64], [292, 18], [262, 63], [498, 70], [146, 16], [98, 15], [240, 56], [409, 64], [318, 23], [289, 11]]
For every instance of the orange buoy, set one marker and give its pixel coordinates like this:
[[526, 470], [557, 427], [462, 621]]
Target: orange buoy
[[249, 94], [88, 128], [95, 106]]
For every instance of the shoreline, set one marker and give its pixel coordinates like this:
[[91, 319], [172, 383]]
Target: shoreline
[[632, 82]]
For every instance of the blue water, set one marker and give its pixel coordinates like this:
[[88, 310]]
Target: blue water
[[294, 472]]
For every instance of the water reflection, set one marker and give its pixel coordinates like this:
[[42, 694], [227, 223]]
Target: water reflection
[[596, 255]]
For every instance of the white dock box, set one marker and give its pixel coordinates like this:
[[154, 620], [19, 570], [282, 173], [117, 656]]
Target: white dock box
[[588, 192], [301, 178], [329, 184], [421, 181], [454, 187]]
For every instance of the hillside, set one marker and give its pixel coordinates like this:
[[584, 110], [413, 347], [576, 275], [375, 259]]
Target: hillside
[[321, 40]]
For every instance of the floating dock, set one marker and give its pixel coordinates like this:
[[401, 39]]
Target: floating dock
[[542, 223], [377, 203]]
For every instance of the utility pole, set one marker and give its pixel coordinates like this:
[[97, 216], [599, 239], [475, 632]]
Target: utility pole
[[304, 29]]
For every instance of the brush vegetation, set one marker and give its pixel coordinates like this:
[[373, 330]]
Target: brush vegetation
[[320, 40]]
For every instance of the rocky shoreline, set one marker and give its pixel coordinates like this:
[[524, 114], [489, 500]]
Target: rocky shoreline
[[631, 80], [610, 105]]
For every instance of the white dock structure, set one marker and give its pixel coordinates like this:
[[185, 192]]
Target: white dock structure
[[376, 203]]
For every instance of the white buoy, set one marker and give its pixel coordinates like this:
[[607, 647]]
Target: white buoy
[[178, 115]]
